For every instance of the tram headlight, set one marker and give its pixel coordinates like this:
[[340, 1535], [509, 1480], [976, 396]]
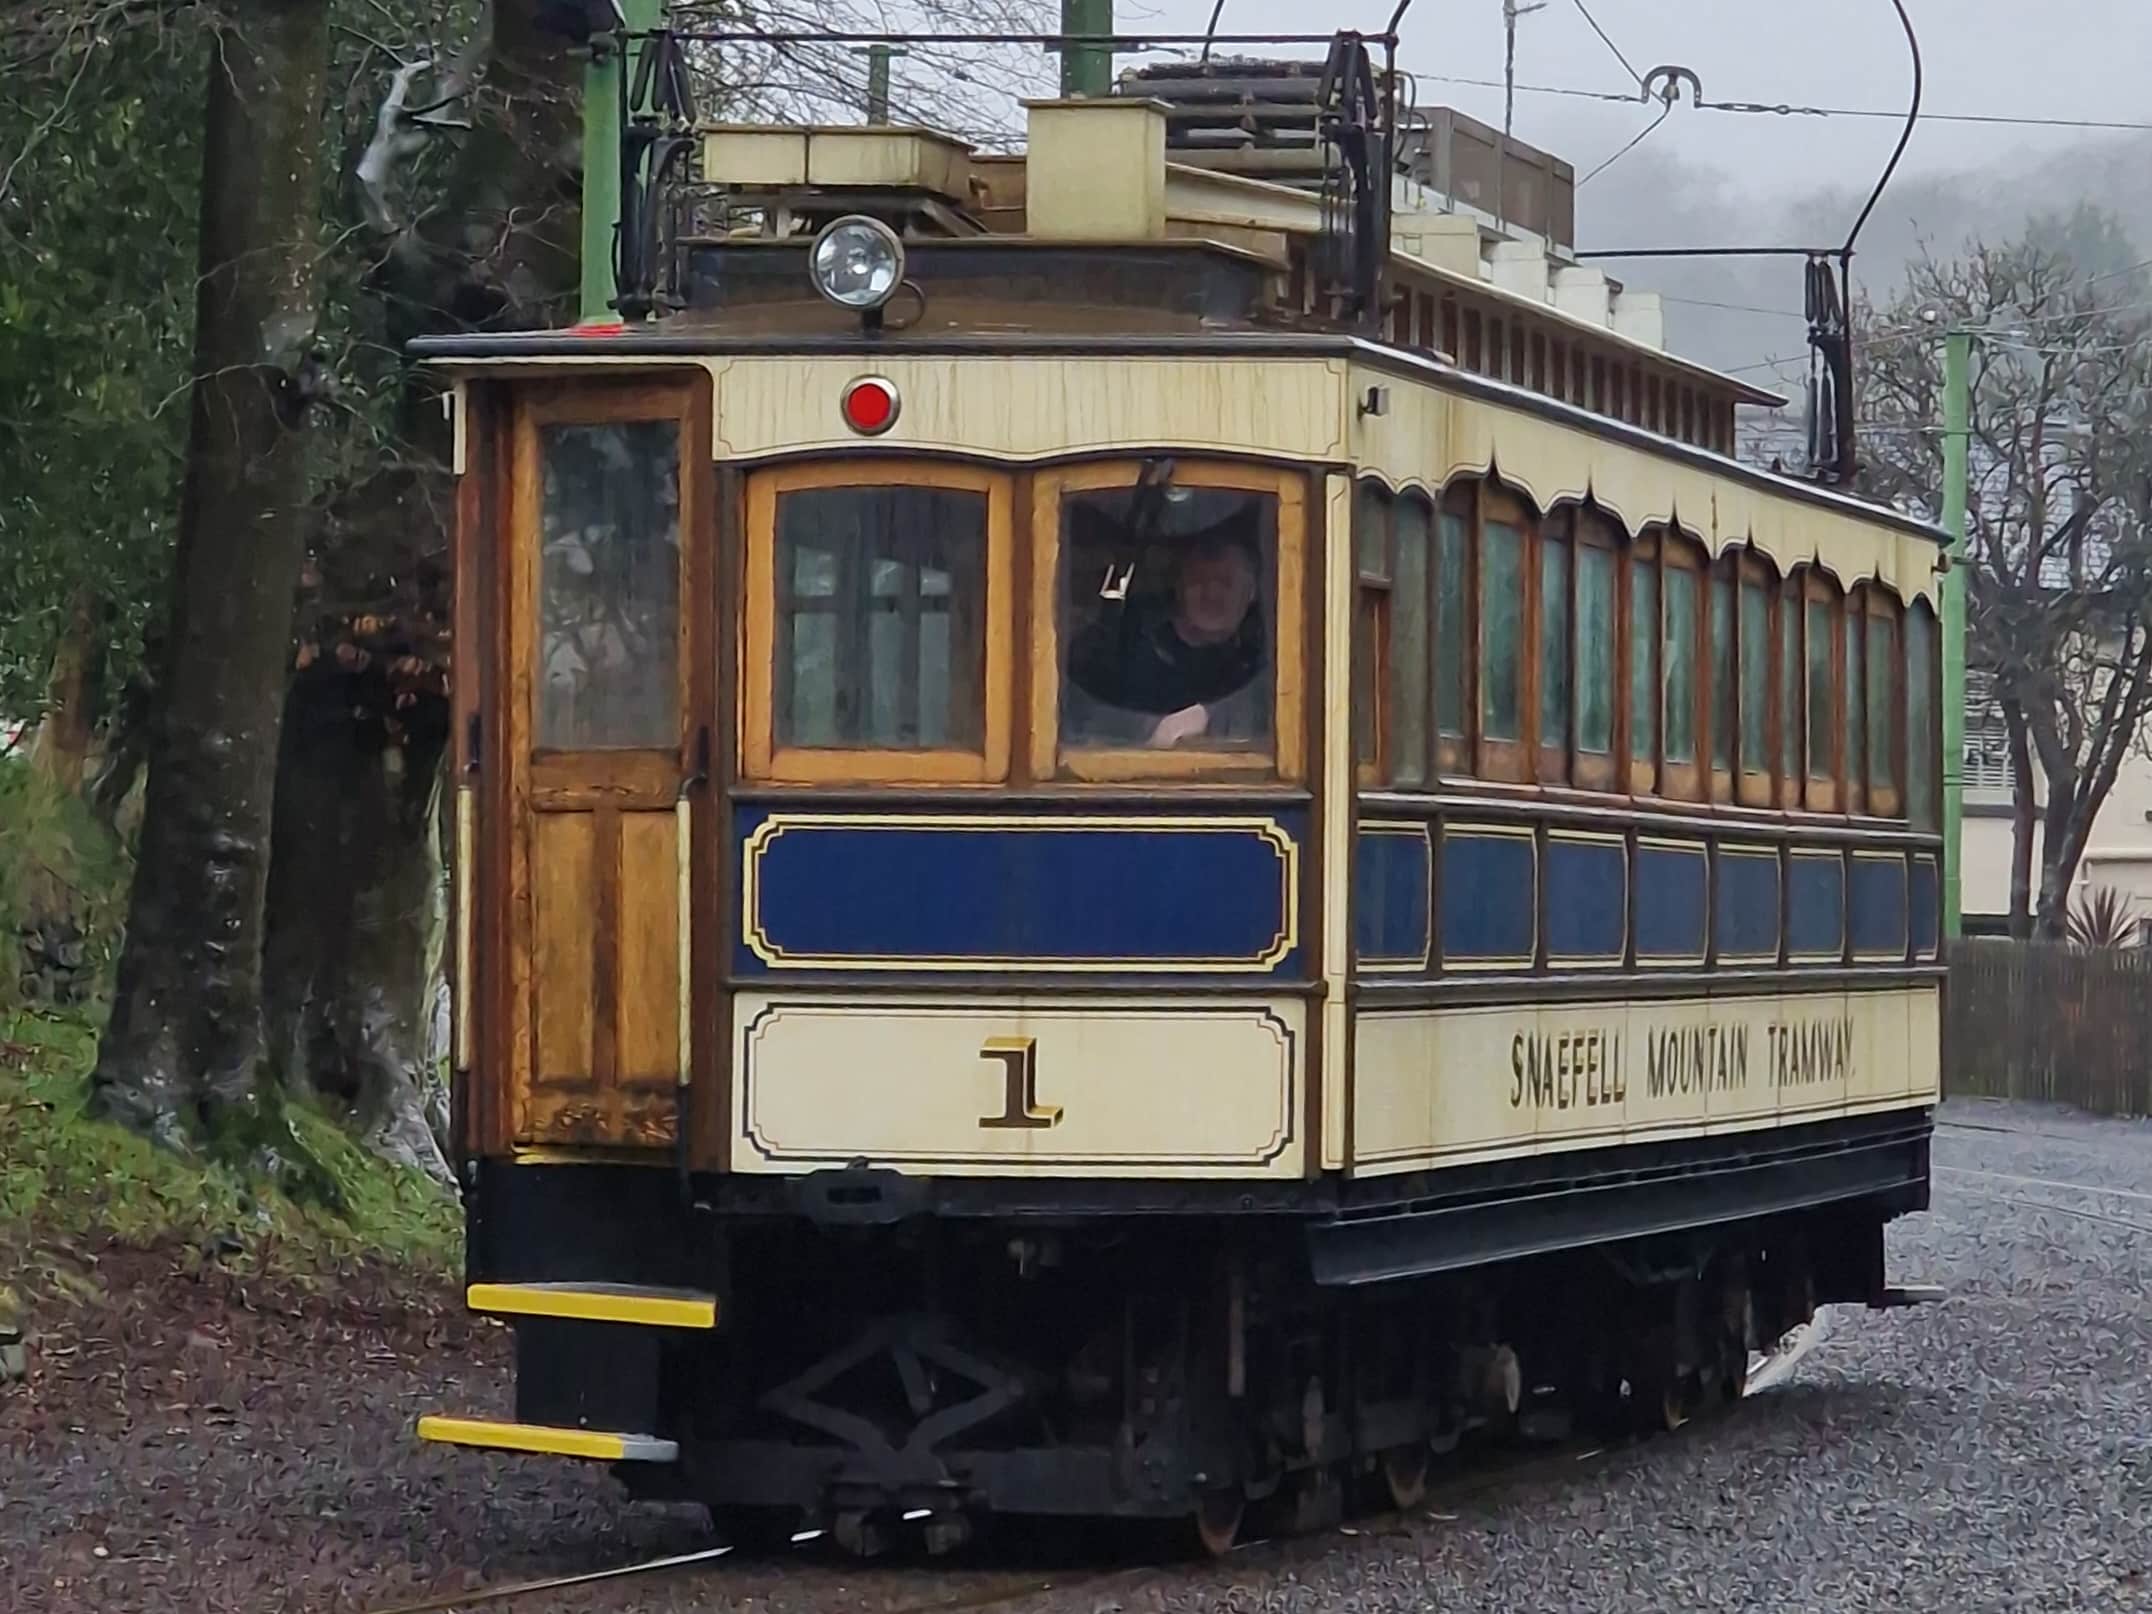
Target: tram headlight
[[857, 263]]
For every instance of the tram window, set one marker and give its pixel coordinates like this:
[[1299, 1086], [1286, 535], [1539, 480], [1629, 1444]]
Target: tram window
[[1556, 647], [1371, 624], [1755, 677], [1882, 711], [1722, 671], [1408, 692], [1644, 664], [880, 618], [1595, 649], [1167, 600], [1679, 720], [1921, 746], [1789, 697], [609, 585], [1821, 705], [1853, 646], [1453, 645], [1501, 614]]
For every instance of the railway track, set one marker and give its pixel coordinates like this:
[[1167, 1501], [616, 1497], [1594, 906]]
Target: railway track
[[1489, 1475]]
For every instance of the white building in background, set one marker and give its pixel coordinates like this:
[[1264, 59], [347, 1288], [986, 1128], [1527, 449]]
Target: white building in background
[[2119, 853]]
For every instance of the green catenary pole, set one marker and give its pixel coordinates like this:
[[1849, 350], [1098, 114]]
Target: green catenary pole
[[601, 155], [1086, 70], [878, 58], [1957, 418]]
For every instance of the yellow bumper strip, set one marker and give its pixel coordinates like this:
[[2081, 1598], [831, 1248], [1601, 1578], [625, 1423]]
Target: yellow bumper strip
[[597, 1303], [548, 1440]]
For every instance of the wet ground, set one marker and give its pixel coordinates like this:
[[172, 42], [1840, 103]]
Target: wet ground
[[201, 1445]]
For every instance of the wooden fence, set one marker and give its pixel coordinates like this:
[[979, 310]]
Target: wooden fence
[[2041, 1020]]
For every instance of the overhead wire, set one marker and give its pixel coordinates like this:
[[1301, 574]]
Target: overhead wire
[[1785, 109], [1606, 40], [1631, 146]]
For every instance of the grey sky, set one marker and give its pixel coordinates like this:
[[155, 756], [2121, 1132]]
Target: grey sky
[[1715, 179], [2068, 58]]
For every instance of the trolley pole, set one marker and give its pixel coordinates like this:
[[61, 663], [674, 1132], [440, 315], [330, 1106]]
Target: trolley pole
[[1957, 431], [601, 154], [1086, 70]]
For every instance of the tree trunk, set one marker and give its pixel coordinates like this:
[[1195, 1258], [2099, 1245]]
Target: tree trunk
[[2024, 818], [351, 973], [353, 882], [181, 1055], [61, 750]]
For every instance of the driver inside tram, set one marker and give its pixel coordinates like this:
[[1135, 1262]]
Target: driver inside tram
[[1180, 664]]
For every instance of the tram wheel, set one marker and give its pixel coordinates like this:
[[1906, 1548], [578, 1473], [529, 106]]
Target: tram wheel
[[1404, 1475], [1217, 1521]]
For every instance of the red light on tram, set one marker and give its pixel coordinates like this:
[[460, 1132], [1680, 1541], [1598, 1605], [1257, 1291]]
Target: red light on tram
[[870, 405]]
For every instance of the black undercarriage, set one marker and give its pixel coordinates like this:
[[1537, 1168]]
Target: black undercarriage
[[938, 1351]]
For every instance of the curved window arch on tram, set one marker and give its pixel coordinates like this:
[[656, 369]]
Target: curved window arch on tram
[[1495, 641]]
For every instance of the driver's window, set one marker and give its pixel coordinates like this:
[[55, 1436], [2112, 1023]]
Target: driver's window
[[1165, 622]]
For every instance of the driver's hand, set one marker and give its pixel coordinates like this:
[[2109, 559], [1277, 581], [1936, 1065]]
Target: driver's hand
[[1184, 724]]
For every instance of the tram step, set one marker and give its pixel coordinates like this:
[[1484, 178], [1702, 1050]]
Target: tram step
[[549, 1440], [597, 1303]]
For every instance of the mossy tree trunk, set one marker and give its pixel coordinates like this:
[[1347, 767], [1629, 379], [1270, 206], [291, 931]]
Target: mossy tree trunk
[[61, 750], [350, 972], [181, 1057]]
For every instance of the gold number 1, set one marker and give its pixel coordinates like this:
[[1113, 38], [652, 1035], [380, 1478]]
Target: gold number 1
[[1020, 1109]]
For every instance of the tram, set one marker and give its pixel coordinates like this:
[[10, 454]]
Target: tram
[[1144, 828]]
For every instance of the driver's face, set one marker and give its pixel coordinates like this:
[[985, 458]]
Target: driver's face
[[1215, 592]]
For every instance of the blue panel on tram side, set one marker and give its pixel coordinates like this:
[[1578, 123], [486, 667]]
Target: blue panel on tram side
[[1392, 897], [1587, 898], [1878, 906], [1170, 894], [1815, 906], [1746, 917], [1490, 897], [1926, 905], [1672, 886]]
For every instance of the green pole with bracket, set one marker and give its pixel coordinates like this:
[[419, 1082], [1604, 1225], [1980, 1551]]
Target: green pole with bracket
[[601, 154], [1957, 433], [1086, 70]]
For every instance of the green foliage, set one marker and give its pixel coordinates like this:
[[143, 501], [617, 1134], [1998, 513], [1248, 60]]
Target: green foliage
[[68, 1181], [2103, 917], [55, 860], [97, 263]]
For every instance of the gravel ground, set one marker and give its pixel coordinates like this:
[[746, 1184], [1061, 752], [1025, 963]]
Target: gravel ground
[[200, 1446]]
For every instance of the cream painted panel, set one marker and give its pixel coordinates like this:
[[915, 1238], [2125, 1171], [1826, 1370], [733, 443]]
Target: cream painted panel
[[1337, 781], [1004, 1086], [1519, 1079], [1027, 408], [1393, 1094], [1924, 1047], [1402, 443], [1879, 1070]]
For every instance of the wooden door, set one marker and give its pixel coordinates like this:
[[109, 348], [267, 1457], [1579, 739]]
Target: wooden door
[[608, 689]]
